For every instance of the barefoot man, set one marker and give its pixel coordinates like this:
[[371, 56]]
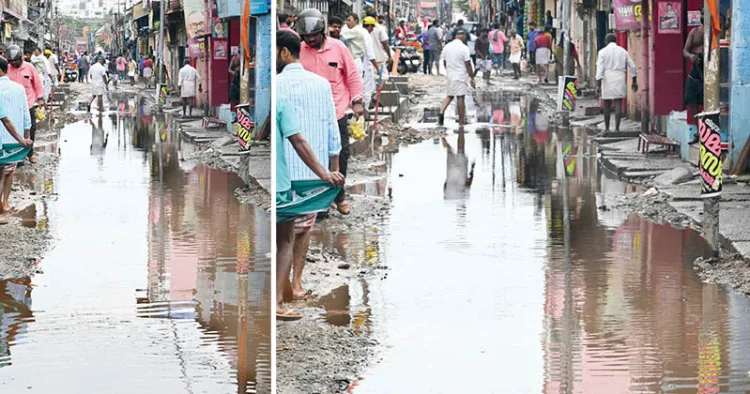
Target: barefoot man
[[611, 78], [186, 81], [99, 83], [318, 126], [459, 73], [14, 115]]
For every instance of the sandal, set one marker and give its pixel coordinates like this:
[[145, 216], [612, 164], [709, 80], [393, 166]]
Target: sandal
[[32, 159], [288, 315], [343, 207], [4, 221]]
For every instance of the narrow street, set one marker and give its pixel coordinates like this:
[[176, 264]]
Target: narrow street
[[155, 271], [528, 281]]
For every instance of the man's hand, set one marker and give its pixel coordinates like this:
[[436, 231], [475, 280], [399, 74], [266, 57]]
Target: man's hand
[[599, 91], [335, 178], [358, 109], [200, 89], [635, 87], [695, 58], [27, 142], [473, 84], [40, 102]]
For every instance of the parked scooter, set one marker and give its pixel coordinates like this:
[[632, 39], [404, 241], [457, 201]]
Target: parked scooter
[[409, 61], [71, 73]]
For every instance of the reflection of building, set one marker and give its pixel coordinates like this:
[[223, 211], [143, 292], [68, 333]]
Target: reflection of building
[[15, 315]]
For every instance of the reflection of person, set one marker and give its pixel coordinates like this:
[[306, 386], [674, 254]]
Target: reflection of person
[[196, 24], [458, 177], [318, 126], [611, 78], [98, 137], [288, 128]]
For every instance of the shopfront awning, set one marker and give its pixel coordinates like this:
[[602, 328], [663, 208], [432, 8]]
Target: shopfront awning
[[15, 15]]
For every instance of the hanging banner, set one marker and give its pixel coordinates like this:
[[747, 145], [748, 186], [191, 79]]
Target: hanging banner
[[669, 17], [709, 130], [628, 14], [245, 127], [567, 93]]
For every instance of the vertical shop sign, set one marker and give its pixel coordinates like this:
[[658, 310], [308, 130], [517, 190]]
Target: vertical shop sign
[[567, 93], [245, 127], [710, 153]]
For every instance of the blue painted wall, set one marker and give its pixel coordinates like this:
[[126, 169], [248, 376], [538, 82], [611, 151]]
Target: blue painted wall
[[263, 30], [739, 116]]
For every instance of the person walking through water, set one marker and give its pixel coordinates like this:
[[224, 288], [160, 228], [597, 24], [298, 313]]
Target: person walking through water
[[693, 51], [318, 125], [288, 129], [459, 73], [515, 44], [99, 83], [186, 81], [26, 75], [611, 78], [498, 40], [332, 60], [542, 55], [484, 60]]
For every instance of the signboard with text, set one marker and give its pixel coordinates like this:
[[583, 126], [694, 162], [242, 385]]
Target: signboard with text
[[710, 166], [245, 127], [567, 93], [628, 14]]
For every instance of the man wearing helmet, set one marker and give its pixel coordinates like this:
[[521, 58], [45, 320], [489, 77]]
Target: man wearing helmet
[[26, 75], [332, 60]]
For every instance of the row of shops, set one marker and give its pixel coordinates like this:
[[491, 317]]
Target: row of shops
[[210, 33]]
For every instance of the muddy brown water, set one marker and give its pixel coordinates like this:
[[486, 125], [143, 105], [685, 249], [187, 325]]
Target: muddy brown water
[[495, 291], [157, 281]]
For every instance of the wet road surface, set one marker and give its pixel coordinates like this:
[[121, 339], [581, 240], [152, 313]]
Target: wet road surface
[[490, 289], [157, 281]]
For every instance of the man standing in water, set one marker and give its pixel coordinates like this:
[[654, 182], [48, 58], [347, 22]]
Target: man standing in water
[[186, 81], [317, 125], [459, 73], [99, 83], [693, 51], [288, 128], [14, 115], [484, 62], [332, 60], [611, 78]]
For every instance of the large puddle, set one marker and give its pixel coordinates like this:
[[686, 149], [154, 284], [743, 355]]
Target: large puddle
[[157, 281], [526, 281]]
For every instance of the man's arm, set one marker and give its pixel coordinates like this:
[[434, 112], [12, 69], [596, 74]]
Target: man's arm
[[36, 84], [14, 133], [353, 80], [384, 42], [334, 137]]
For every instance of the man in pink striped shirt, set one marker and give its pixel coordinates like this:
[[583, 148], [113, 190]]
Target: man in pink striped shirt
[[332, 60]]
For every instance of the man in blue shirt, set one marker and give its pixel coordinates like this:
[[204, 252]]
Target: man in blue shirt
[[533, 32], [318, 125], [14, 115]]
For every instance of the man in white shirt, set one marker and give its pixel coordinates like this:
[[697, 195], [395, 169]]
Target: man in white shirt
[[186, 81], [54, 67], [611, 78], [379, 40], [459, 72], [361, 46], [99, 83]]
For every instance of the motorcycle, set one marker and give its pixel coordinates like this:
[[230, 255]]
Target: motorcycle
[[409, 61], [71, 73]]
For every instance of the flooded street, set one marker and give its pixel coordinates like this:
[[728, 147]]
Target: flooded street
[[157, 280], [526, 281]]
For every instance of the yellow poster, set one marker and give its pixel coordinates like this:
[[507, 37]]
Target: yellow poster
[[8, 30]]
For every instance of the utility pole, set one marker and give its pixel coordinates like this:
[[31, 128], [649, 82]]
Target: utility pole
[[645, 106], [711, 103], [160, 55]]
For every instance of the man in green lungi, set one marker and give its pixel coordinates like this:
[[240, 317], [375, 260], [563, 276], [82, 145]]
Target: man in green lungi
[[287, 128]]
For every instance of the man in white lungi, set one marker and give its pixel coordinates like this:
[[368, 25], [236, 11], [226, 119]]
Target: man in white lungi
[[459, 73], [611, 78], [99, 83], [360, 44], [186, 82]]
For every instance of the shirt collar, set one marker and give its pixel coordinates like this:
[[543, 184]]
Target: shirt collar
[[293, 66]]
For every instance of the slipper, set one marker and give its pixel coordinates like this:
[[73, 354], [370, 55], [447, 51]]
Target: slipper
[[4, 221], [343, 207], [32, 159], [288, 315]]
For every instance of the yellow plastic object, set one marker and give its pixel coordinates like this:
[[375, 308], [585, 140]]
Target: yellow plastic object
[[357, 129], [40, 114]]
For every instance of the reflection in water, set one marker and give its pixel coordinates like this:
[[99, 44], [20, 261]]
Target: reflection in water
[[131, 222], [585, 299]]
